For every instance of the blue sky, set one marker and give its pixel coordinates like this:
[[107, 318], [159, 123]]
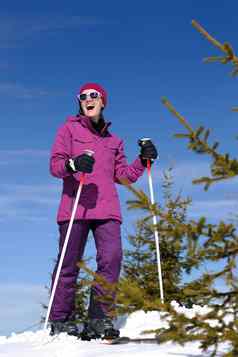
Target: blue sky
[[139, 51]]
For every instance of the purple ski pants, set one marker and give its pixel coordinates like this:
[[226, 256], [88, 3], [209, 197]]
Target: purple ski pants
[[107, 238]]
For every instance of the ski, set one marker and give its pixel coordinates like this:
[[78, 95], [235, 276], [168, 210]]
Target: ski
[[124, 340]]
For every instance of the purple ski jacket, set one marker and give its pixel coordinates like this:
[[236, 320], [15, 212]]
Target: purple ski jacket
[[99, 197]]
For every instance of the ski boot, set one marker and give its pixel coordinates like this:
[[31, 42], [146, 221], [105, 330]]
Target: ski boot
[[65, 326], [99, 328]]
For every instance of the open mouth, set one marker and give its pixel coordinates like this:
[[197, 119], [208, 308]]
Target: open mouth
[[90, 107]]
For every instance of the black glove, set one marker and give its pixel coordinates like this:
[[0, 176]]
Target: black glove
[[148, 151], [83, 163]]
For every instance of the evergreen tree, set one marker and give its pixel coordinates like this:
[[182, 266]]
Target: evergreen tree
[[209, 243], [140, 264]]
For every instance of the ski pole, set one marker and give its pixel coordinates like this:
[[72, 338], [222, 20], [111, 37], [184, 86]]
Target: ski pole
[[90, 153], [156, 233]]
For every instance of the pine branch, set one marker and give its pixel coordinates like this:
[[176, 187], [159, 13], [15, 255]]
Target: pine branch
[[222, 167], [225, 48]]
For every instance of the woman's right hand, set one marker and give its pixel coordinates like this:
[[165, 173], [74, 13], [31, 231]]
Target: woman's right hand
[[83, 163]]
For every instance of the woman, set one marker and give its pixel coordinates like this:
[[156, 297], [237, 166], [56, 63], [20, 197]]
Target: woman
[[98, 209]]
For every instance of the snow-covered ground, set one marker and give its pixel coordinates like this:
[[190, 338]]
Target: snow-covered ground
[[40, 344]]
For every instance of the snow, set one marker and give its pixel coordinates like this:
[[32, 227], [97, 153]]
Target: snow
[[40, 344]]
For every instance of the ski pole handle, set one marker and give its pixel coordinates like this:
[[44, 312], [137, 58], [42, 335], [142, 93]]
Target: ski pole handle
[[142, 142], [89, 152], [82, 179]]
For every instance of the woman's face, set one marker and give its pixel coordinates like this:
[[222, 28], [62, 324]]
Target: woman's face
[[91, 103]]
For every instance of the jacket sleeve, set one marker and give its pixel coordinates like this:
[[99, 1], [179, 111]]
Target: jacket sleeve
[[60, 152], [124, 171]]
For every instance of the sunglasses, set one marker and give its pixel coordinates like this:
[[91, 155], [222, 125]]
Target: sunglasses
[[91, 95]]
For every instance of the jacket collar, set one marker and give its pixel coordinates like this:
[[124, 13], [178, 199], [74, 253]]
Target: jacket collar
[[86, 122]]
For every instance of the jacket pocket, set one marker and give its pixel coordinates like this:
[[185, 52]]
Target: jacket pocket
[[111, 147], [83, 141], [110, 151], [81, 145]]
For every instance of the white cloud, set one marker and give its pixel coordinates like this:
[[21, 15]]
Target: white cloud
[[32, 193], [29, 201], [216, 204], [16, 201], [59, 22], [23, 152], [190, 169], [20, 306], [186, 171], [16, 30], [20, 91], [8, 157], [214, 209], [183, 172]]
